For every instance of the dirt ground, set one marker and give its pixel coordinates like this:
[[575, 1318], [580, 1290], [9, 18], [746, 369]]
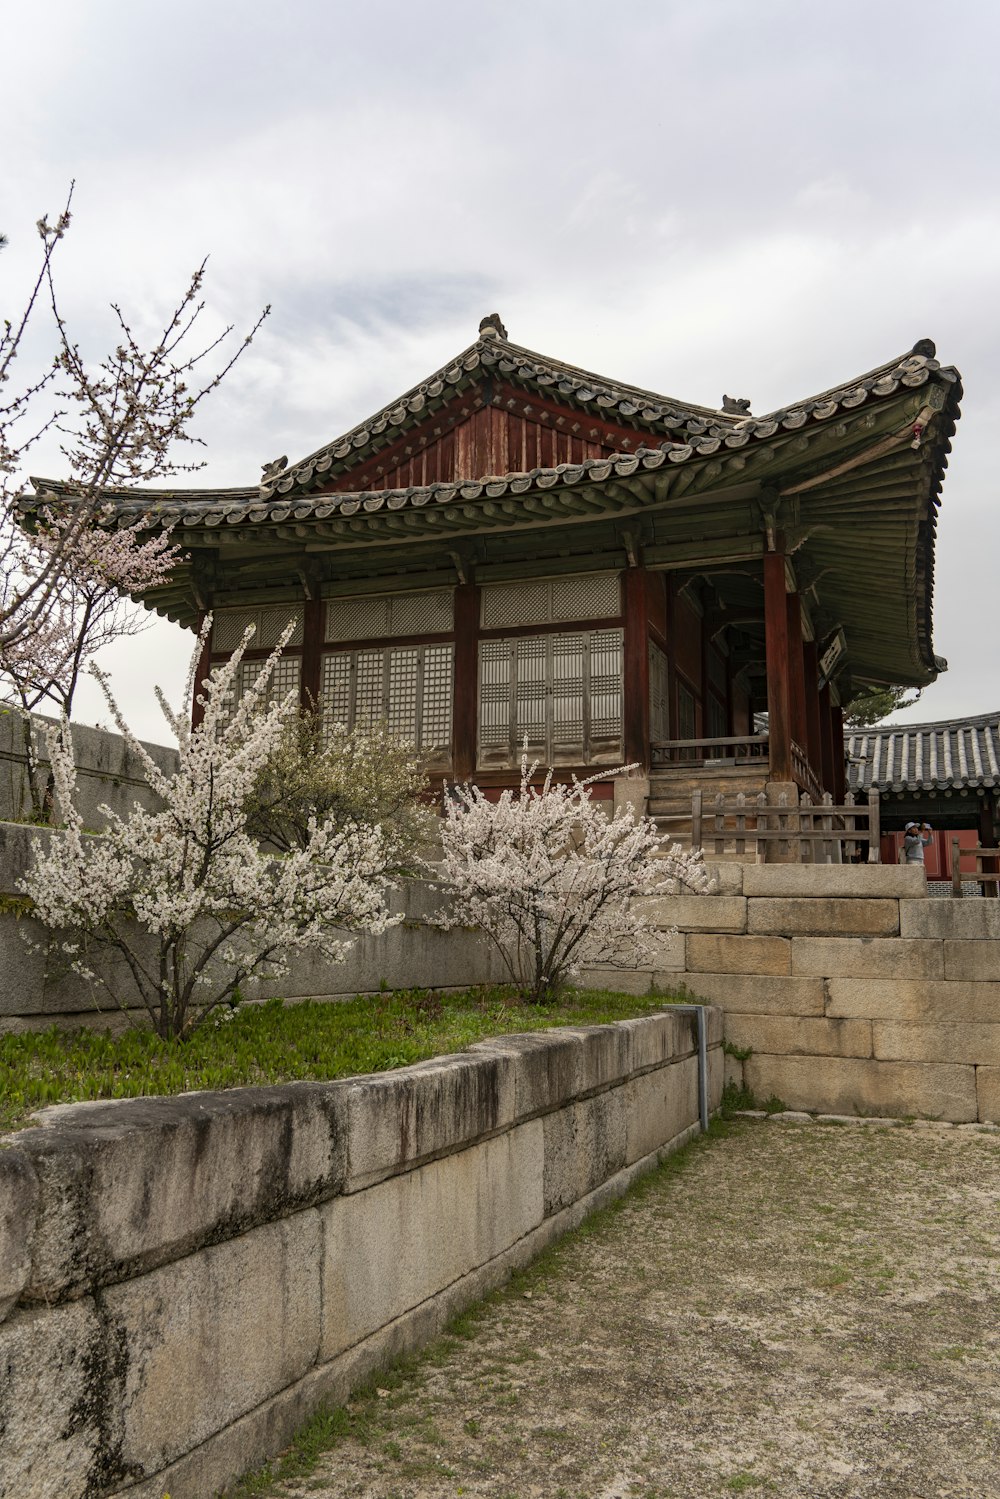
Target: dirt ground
[[793, 1309]]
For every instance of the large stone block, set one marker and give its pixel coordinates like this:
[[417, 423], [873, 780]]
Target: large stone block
[[926, 1000], [728, 878], [18, 1218], [130, 1184], [793, 1035], [656, 1040], [658, 1106], [53, 1411], [975, 919], [759, 994], [847, 881], [698, 913], [866, 957], [850, 1085], [951, 1042], [396, 1119], [725, 954], [823, 916], [394, 1245], [972, 959], [585, 1143], [988, 1094], [211, 1336]]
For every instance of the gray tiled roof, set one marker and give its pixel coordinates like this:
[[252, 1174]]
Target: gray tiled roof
[[285, 495], [926, 757]]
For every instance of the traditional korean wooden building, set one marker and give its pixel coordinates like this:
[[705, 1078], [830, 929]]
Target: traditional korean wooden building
[[519, 549]]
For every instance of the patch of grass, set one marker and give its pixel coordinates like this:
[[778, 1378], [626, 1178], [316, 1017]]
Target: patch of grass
[[737, 1097], [276, 1043], [741, 1482]]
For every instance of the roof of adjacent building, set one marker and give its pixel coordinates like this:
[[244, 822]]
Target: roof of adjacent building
[[927, 756]]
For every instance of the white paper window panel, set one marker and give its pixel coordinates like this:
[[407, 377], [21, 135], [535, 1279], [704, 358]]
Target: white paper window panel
[[230, 625], [551, 600], [371, 617], [562, 692], [410, 687], [659, 719], [285, 679]]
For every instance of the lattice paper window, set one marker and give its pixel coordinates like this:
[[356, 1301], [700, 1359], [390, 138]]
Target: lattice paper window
[[551, 600], [659, 712], [410, 687], [285, 679], [561, 692], [229, 626], [605, 688], [374, 617]]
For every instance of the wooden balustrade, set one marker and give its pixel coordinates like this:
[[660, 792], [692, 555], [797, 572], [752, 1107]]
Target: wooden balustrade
[[824, 832], [987, 871]]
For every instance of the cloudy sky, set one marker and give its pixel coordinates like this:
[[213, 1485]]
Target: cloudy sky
[[696, 196]]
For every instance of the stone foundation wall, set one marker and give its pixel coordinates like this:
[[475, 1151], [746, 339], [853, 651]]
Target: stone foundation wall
[[108, 772], [856, 993], [38, 989], [183, 1280]]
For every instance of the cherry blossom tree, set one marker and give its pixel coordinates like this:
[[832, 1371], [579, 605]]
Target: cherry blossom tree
[[185, 896], [66, 564], [553, 882]]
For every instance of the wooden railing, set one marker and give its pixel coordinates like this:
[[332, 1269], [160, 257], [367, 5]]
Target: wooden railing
[[740, 749], [823, 831], [990, 875], [728, 751]]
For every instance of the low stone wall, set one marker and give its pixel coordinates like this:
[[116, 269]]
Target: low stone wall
[[183, 1280], [38, 989], [856, 993], [108, 772]]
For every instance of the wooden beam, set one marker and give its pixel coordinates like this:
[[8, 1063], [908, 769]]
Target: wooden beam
[[779, 706], [797, 686], [635, 687], [465, 708], [814, 736]]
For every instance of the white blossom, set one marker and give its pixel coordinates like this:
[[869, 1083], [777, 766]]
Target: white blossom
[[184, 895], [553, 882]]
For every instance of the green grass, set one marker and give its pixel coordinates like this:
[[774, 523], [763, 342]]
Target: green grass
[[274, 1043]]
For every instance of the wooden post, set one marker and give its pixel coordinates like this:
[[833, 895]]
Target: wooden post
[[814, 734], [988, 839], [839, 763], [635, 685], [779, 731], [204, 667], [465, 708], [956, 869], [313, 630], [796, 672], [829, 776]]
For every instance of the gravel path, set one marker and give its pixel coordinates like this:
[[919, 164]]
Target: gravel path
[[798, 1310]]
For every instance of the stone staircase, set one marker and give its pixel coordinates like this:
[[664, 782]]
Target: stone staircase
[[670, 794]]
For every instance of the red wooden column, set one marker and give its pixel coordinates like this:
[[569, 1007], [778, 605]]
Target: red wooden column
[[465, 709], [204, 667], [635, 685], [814, 732], [839, 765], [988, 838], [829, 776], [779, 708], [313, 630], [798, 726]]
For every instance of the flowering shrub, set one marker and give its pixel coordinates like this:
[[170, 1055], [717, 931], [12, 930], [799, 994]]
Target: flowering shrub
[[325, 771], [552, 881], [185, 896]]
